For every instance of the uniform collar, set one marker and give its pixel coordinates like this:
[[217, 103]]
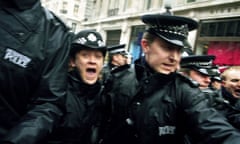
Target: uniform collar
[[144, 71]]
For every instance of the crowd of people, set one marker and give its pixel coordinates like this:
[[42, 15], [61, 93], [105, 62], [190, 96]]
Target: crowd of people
[[55, 88]]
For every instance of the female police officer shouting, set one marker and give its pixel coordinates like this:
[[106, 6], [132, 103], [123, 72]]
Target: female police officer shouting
[[79, 125], [152, 104]]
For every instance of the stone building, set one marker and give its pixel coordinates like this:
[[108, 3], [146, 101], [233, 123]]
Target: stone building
[[119, 22]]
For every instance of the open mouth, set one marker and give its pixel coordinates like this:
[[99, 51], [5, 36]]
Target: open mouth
[[91, 70], [236, 92], [169, 66]]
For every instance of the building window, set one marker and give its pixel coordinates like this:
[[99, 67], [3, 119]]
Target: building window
[[113, 8], [189, 1], [135, 41], [75, 9], [220, 28], [160, 3], [64, 8], [73, 27], [113, 37], [147, 4]]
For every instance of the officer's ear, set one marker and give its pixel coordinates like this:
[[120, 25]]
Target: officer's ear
[[72, 62], [145, 45], [223, 83]]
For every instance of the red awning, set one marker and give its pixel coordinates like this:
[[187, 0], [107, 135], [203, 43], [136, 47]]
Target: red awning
[[227, 53]]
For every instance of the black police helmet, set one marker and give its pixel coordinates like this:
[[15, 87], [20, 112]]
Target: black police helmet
[[88, 39]]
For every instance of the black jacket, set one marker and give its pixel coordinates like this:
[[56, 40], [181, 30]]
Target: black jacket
[[153, 108], [229, 106], [34, 49], [83, 116]]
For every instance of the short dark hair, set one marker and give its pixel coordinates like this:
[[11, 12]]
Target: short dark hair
[[185, 71], [149, 37]]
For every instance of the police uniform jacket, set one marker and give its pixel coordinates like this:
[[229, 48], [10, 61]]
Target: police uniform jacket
[[153, 108], [34, 47], [110, 70], [81, 121]]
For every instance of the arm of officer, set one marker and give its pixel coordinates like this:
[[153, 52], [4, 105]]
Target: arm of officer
[[204, 122], [47, 107]]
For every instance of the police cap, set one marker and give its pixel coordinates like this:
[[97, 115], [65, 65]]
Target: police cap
[[173, 29], [215, 72], [200, 63], [186, 52], [88, 39], [117, 49], [216, 78]]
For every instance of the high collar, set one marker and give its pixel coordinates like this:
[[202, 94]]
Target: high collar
[[143, 70]]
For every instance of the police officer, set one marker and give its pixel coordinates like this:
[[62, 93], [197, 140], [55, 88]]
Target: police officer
[[81, 122], [117, 56], [117, 62], [153, 104], [34, 47], [198, 68], [216, 81]]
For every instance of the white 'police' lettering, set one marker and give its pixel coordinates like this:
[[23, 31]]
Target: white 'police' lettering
[[166, 130], [16, 58]]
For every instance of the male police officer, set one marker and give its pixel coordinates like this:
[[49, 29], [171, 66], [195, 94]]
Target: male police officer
[[34, 48], [216, 80], [117, 61], [117, 56], [153, 104], [198, 68]]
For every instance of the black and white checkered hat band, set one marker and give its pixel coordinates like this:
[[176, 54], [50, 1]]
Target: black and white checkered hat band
[[176, 30]]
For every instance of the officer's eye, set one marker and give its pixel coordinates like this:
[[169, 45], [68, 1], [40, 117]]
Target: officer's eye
[[234, 80], [98, 56], [84, 54]]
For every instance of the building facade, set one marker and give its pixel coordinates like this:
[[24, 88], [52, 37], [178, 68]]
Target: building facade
[[72, 12], [119, 22]]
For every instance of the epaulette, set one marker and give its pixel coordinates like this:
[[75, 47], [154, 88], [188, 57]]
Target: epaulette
[[188, 80]]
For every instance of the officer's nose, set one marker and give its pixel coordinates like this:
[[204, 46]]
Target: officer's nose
[[207, 79], [92, 59], [175, 54], [238, 83]]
